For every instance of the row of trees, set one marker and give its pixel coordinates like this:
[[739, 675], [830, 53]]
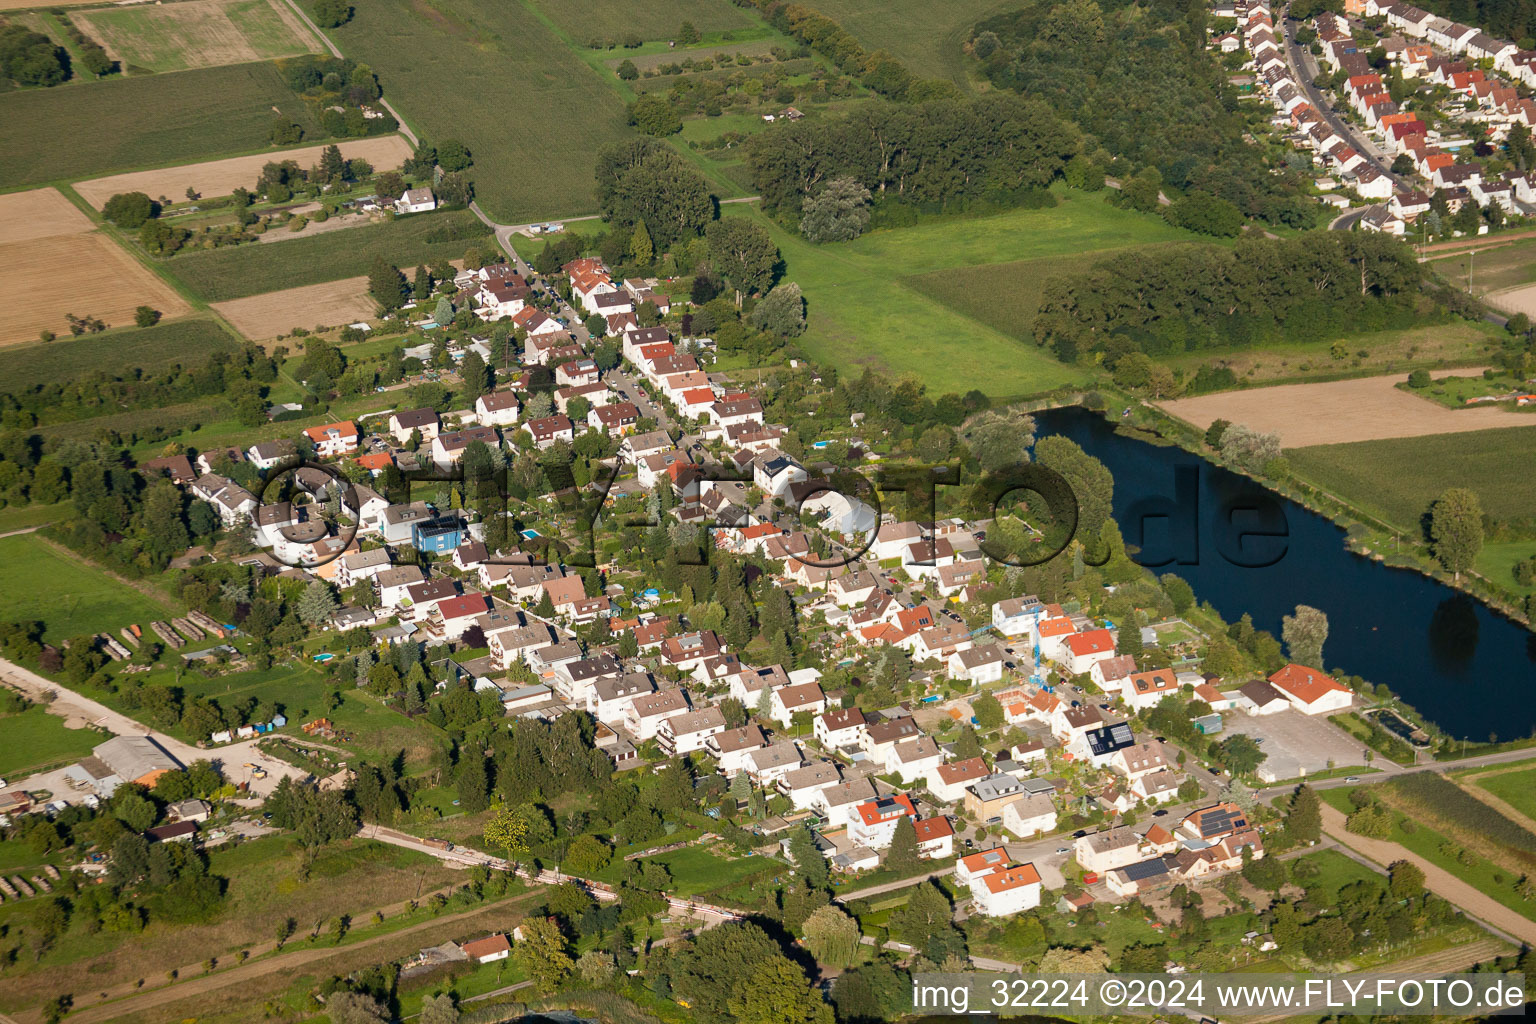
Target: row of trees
[[929, 154], [1261, 289]]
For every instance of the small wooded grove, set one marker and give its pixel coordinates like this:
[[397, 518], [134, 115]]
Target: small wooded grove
[[1182, 298], [928, 154]]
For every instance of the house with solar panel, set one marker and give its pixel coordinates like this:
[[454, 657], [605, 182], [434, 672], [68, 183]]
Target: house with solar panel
[[1099, 746]]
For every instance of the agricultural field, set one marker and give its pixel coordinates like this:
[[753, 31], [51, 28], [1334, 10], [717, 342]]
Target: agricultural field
[[40, 213], [266, 316], [927, 37], [184, 342], [882, 300], [588, 20], [1361, 409], [235, 273], [535, 117], [1429, 841], [1397, 479], [1455, 342], [43, 243], [39, 580], [36, 740], [221, 177], [198, 33], [150, 121]]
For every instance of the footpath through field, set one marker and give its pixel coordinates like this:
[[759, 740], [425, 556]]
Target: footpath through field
[[1476, 904]]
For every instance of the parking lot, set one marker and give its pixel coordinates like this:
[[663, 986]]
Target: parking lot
[[1296, 744]]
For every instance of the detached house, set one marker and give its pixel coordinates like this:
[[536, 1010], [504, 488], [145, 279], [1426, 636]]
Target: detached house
[[549, 429], [402, 424], [874, 823], [1084, 650], [416, 200], [497, 409], [1010, 891], [788, 701], [977, 665], [333, 439]]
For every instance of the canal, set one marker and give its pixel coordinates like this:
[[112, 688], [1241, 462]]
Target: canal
[[1245, 549]]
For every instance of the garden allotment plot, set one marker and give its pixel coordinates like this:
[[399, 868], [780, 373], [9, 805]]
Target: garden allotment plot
[[198, 33]]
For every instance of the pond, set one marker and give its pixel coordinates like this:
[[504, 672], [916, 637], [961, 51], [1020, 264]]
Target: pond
[[1245, 549]]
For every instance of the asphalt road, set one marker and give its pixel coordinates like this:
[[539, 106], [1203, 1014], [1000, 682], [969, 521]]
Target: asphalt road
[[1304, 69]]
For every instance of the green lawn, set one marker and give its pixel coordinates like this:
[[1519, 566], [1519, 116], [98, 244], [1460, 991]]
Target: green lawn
[[238, 271], [499, 78], [1518, 789], [123, 124], [695, 870], [1397, 479], [187, 342], [36, 739], [882, 301], [1497, 562], [24, 517], [925, 36], [1455, 392], [38, 581], [1336, 871], [605, 20]]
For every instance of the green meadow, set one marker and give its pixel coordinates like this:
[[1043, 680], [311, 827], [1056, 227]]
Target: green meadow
[[951, 299]]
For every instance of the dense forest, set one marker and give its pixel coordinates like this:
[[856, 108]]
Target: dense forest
[[930, 153], [1190, 297], [1507, 19], [1137, 80]]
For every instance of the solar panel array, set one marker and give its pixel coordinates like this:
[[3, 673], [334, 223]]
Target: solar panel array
[[1221, 820]]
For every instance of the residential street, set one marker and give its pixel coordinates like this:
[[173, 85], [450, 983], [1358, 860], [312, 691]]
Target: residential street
[[1304, 69]]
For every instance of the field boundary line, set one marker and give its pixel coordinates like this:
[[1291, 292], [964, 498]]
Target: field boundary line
[[405, 126]]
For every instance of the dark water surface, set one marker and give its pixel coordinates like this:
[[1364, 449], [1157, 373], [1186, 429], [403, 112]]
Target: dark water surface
[[1469, 669]]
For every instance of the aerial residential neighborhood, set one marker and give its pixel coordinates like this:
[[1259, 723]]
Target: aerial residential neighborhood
[[723, 510]]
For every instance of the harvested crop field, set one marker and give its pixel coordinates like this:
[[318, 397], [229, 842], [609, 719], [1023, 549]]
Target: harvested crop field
[[198, 33], [1515, 300], [44, 243], [41, 282], [25, 216], [221, 177], [266, 316], [17, 5], [1332, 412]]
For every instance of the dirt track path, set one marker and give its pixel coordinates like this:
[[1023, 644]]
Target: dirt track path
[[1437, 879]]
